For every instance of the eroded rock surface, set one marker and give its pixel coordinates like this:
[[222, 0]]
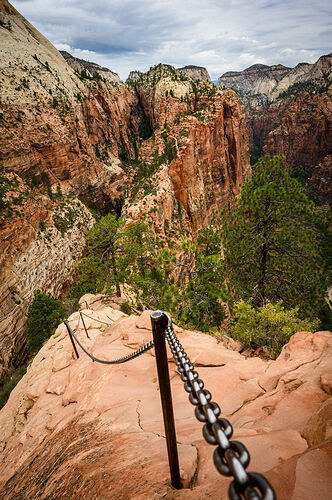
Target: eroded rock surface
[[77, 428]]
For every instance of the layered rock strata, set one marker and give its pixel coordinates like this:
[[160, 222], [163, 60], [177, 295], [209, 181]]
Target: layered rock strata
[[57, 132], [37, 252], [205, 132], [289, 110], [76, 428]]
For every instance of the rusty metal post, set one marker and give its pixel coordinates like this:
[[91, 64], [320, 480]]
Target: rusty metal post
[[86, 331], [71, 337], [159, 323]]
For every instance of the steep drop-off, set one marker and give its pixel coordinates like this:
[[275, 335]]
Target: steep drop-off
[[68, 136]]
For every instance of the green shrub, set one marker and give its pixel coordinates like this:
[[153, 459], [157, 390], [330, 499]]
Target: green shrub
[[10, 382], [125, 308], [270, 325], [44, 315]]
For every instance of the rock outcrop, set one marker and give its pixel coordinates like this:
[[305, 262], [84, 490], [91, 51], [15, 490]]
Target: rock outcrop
[[134, 76], [299, 127], [78, 428], [200, 137], [92, 69], [195, 72]]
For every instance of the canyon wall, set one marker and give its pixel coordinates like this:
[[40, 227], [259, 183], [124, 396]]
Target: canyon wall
[[203, 132], [69, 136], [289, 111]]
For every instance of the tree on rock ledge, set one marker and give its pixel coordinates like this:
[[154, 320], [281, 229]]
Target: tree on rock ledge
[[272, 246]]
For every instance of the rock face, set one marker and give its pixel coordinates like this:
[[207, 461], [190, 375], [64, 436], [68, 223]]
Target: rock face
[[134, 76], [260, 85], [254, 85], [321, 180], [37, 252], [300, 128], [71, 425], [195, 73], [289, 110], [92, 69], [56, 130], [202, 133]]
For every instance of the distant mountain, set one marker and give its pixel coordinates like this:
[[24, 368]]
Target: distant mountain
[[260, 85], [195, 72]]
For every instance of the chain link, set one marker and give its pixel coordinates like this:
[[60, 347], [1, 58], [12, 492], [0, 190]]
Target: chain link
[[134, 354], [230, 457], [94, 319]]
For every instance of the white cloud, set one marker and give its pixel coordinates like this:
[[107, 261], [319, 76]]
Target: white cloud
[[221, 35]]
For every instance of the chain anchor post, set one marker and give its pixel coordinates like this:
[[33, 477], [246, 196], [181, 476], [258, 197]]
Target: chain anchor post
[[71, 337], [86, 331], [159, 322]]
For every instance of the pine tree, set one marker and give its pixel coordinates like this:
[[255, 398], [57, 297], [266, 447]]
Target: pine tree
[[100, 268], [271, 242], [201, 305]]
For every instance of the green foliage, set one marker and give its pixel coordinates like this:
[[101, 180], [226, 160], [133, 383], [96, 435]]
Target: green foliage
[[201, 302], [66, 214], [255, 154], [99, 269], [127, 256], [125, 308], [7, 204], [143, 175], [311, 87], [44, 315], [272, 242], [270, 325], [10, 382]]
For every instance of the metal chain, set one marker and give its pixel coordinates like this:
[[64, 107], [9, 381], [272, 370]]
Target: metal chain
[[100, 321], [230, 457], [78, 323], [140, 351]]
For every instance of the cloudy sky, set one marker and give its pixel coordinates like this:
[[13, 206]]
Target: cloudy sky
[[221, 35]]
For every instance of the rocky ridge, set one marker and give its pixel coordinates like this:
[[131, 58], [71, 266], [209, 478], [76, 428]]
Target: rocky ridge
[[92, 69], [191, 72], [78, 427]]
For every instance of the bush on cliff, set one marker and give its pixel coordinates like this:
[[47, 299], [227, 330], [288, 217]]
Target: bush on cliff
[[44, 315], [270, 325]]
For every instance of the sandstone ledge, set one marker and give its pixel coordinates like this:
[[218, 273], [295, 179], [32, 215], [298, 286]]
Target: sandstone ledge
[[76, 428]]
